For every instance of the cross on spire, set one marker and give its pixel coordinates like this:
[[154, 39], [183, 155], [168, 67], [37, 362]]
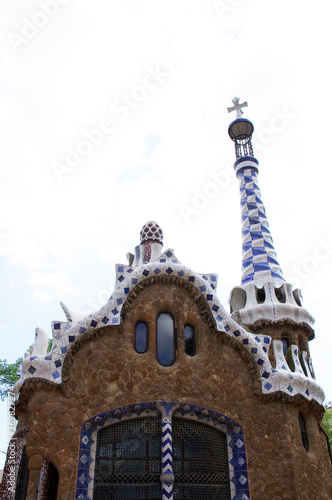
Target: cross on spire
[[237, 107]]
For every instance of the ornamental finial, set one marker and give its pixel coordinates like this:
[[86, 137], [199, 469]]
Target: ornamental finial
[[237, 107]]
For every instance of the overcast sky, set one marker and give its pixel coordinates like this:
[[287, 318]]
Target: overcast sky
[[113, 113]]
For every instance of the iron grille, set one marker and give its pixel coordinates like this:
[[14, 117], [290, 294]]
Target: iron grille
[[200, 461], [128, 460], [22, 477]]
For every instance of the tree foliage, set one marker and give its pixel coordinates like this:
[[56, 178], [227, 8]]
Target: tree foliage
[[10, 373], [327, 422]]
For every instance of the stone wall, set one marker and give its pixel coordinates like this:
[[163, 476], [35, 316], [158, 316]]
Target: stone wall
[[102, 371]]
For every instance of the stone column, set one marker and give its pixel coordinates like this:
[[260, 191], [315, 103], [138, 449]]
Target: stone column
[[35, 465]]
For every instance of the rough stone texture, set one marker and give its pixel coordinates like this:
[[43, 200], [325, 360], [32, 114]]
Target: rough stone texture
[[103, 371]]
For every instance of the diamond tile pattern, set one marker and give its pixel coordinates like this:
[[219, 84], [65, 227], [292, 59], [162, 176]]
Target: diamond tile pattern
[[259, 258]]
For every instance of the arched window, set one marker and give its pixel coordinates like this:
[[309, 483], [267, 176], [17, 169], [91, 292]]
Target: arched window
[[189, 340], [141, 337], [200, 461], [165, 339], [22, 477], [304, 434], [201, 449], [128, 460]]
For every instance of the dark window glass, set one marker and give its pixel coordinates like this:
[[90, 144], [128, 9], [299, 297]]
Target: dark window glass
[[165, 339], [128, 460], [285, 344], [303, 430], [189, 340], [22, 477], [141, 337], [52, 482], [200, 461]]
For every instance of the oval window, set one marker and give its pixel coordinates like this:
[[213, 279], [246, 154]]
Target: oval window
[[189, 340], [165, 339], [141, 337]]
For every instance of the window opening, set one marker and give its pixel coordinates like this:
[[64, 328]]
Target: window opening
[[200, 461], [189, 340], [165, 339], [285, 344], [304, 434], [260, 295], [52, 482], [141, 337], [128, 460], [281, 294]]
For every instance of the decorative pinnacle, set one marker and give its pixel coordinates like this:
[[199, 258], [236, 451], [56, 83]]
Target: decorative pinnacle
[[237, 107]]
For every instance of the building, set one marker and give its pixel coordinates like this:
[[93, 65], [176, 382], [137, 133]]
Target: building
[[162, 393]]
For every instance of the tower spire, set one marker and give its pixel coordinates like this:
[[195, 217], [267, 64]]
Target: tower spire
[[264, 293], [259, 258]]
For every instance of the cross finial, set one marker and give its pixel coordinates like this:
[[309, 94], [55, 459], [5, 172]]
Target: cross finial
[[237, 107]]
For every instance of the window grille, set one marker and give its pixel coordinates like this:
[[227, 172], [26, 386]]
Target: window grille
[[128, 460], [22, 477], [200, 461]]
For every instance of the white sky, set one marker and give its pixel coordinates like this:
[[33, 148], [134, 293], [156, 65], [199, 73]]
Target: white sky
[[60, 236]]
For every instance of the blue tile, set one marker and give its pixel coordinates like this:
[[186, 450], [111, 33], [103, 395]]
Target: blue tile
[[239, 462]]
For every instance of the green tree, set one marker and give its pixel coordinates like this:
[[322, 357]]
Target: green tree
[[10, 373], [327, 422]]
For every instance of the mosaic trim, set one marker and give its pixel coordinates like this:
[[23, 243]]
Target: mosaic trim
[[259, 258], [166, 449], [14, 454], [42, 486], [127, 277], [235, 440]]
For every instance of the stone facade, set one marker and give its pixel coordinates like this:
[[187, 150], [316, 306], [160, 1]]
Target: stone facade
[[103, 371]]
